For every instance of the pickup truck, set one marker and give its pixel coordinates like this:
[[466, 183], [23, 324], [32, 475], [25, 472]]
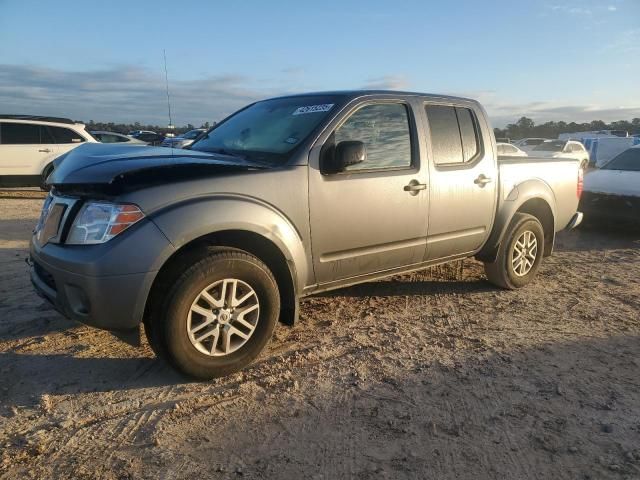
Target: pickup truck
[[210, 247]]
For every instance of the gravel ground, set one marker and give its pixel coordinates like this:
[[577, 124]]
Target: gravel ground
[[430, 375]]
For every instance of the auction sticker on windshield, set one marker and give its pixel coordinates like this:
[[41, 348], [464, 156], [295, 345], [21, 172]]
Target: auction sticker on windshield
[[325, 107]]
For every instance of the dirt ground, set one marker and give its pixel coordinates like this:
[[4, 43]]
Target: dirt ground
[[430, 375]]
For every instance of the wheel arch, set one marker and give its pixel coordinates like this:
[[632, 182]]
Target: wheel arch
[[244, 240], [533, 197], [196, 226]]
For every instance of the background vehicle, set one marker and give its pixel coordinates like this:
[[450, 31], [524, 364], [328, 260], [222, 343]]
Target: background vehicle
[[612, 193], [113, 137], [593, 134], [30, 143], [563, 148], [528, 144], [209, 248], [151, 138], [183, 140], [133, 133], [508, 150]]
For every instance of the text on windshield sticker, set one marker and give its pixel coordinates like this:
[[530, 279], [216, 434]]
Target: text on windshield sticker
[[325, 107]]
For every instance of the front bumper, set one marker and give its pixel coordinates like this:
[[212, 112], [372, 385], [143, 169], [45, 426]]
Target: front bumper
[[104, 286]]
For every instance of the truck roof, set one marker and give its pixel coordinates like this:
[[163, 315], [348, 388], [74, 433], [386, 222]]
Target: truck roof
[[366, 92]]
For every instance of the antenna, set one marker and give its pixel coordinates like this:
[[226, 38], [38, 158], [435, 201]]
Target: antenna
[[166, 80]]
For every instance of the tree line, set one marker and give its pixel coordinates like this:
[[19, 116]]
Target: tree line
[[526, 127], [129, 127]]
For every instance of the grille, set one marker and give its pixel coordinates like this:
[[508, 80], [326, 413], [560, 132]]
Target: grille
[[52, 223]]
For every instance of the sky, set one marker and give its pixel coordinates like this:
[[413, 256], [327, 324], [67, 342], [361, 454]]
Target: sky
[[549, 60]]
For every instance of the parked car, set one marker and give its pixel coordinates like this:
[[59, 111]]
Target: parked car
[[210, 247], [528, 144], [612, 193], [508, 150], [113, 137], [30, 143], [150, 138], [183, 140], [563, 148], [134, 133]]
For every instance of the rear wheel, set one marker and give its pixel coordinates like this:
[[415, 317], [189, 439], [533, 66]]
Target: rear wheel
[[219, 315], [519, 255]]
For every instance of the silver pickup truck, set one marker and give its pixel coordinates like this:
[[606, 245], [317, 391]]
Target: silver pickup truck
[[211, 246]]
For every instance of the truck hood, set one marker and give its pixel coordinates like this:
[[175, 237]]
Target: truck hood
[[613, 182], [126, 166]]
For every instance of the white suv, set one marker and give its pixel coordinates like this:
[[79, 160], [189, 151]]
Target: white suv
[[29, 144]]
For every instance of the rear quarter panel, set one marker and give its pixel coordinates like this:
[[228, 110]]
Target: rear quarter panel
[[554, 180]]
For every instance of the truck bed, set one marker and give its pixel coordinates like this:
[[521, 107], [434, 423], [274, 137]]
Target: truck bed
[[554, 172]]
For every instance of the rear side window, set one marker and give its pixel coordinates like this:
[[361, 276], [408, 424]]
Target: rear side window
[[384, 130], [19, 134], [576, 147], [65, 135], [468, 133], [454, 134]]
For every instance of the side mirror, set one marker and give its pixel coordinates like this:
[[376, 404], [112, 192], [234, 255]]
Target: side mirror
[[347, 153]]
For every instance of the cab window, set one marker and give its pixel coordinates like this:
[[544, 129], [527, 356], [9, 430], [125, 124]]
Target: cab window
[[384, 129]]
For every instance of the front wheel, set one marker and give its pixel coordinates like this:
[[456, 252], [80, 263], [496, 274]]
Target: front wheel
[[220, 314], [519, 255]]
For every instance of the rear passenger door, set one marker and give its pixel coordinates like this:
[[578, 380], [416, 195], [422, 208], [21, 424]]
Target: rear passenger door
[[65, 138], [25, 148], [463, 177]]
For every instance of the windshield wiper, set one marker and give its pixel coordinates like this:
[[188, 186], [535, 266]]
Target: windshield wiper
[[223, 151]]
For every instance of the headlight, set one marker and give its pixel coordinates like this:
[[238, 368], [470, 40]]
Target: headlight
[[98, 222]]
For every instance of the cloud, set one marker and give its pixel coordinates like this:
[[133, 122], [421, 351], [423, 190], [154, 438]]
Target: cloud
[[624, 42], [387, 82], [572, 10], [503, 112], [123, 94], [130, 94], [579, 9]]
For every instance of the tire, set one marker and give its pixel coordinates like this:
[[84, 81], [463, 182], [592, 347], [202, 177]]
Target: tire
[[243, 330], [502, 271]]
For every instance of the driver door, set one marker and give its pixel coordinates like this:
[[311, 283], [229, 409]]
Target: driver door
[[372, 216]]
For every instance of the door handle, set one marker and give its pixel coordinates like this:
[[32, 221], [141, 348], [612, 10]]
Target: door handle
[[414, 187], [482, 180], [45, 150]]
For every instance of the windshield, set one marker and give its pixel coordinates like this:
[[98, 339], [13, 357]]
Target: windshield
[[550, 146], [627, 160], [191, 134], [269, 130]]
